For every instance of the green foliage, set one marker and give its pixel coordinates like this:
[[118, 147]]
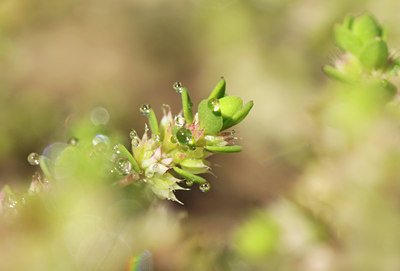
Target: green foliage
[[210, 121], [366, 56], [258, 237]]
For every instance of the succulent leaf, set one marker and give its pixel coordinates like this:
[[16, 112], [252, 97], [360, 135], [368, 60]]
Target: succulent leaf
[[209, 120]]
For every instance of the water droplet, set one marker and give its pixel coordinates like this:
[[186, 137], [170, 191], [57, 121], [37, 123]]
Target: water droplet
[[156, 138], [189, 183], [135, 142], [173, 139], [133, 134], [149, 173], [145, 109], [100, 139], [204, 187], [33, 159], [116, 149], [192, 147], [184, 135], [215, 105], [179, 121], [178, 86], [146, 128], [99, 116], [72, 141], [123, 166]]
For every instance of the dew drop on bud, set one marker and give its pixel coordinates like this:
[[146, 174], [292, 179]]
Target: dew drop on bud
[[33, 159], [189, 183], [178, 86], [133, 134], [204, 187], [135, 142], [215, 105], [72, 141], [184, 135], [179, 121], [149, 173], [145, 109]]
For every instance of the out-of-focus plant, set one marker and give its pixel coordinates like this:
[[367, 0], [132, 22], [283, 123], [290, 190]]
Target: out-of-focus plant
[[92, 162], [343, 213], [366, 59]]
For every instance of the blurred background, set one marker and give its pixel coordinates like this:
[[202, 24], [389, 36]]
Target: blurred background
[[60, 59]]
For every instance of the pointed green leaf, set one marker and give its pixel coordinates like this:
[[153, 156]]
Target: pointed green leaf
[[187, 106], [219, 90], [153, 123], [189, 176], [210, 121], [224, 149], [336, 74], [124, 153], [239, 116], [195, 166]]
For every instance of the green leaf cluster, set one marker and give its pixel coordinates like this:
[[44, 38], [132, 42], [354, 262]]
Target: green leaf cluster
[[366, 58], [220, 111]]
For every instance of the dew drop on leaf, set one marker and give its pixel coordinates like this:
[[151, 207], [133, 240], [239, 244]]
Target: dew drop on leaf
[[178, 86], [145, 109], [33, 159], [135, 142], [204, 187], [214, 103], [123, 166], [133, 134], [184, 135], [179, 121], [116, 149]]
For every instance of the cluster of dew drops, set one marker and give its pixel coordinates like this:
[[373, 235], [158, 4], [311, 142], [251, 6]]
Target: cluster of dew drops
[[122, 166], [183, 135]]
